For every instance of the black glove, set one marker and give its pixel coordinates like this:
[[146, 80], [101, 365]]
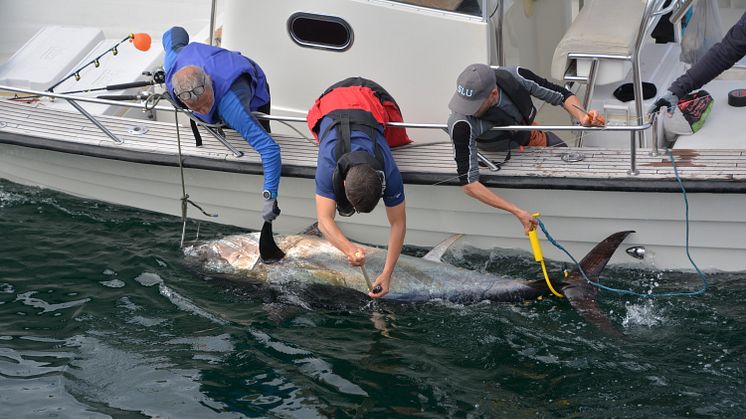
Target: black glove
[[270, 210], [669, 100]]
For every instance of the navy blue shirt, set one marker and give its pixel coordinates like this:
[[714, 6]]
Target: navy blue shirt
[[393, 195]]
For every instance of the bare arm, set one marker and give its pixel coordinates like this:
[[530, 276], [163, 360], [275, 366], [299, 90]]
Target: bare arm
[[478, 191], [398, 220], [325, 211], [573, 107]]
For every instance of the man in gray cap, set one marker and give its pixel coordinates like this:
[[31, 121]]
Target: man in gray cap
[[486, 97]]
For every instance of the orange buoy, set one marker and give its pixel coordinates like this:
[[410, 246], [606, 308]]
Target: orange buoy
[[141, 41]]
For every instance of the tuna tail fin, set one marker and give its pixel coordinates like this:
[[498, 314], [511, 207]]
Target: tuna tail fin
[[581, 294]]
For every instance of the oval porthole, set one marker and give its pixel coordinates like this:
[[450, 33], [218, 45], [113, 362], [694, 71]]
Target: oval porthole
[[318, 31]]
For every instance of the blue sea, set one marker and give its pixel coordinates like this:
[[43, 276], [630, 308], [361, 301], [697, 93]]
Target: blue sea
[[100, 317]]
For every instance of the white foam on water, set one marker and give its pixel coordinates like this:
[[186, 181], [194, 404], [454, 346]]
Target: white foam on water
[[114, 283], [6, 288], [643, 314], [9, 199], [148, 279], [27, 299], [109, 272]]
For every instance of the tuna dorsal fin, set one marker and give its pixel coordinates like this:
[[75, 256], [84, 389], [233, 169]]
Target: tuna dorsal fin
[[436, 253], [312, 230], [581, 294]]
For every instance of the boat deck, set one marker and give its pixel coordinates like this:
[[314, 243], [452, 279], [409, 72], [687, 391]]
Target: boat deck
[[35, 125]]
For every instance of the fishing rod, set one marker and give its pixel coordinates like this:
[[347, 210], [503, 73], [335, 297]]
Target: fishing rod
[[141, 41]]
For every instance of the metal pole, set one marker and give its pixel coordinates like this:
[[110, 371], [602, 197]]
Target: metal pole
[[636, 71], [95, 121], [658, 136], [589, 88], [212, 20], [499, 33], [680, 11], [632, 155], [487, 162], [236, 152]]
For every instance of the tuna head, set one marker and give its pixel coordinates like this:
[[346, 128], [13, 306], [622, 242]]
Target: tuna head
[[308, 260], [226, 255]]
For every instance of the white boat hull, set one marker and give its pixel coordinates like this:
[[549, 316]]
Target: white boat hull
[[577, 218]]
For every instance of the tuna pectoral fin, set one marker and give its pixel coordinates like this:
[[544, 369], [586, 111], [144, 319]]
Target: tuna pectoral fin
[[581, 294], [268, 249], [436, 253]]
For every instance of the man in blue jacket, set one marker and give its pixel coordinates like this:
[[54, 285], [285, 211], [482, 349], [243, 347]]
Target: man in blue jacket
[[718, 58], [223, 86]]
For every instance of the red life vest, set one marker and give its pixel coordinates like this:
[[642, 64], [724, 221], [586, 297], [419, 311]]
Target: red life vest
[[362, 94]]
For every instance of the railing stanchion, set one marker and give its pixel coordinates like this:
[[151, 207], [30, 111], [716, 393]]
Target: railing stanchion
[[632, 155], [657, 133], [94, 121]]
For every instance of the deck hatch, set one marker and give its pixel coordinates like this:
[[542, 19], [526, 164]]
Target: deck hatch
[[319, 31]]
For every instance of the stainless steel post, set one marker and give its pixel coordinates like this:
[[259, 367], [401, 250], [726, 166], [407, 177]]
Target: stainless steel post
[[632, 155], [212, 20], [95, 121], [499, 33]]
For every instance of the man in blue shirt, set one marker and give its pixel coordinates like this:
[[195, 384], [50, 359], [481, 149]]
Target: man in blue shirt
[[355, 167], [223, 86]]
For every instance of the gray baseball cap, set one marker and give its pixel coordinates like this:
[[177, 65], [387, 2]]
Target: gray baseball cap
[[473, 86]]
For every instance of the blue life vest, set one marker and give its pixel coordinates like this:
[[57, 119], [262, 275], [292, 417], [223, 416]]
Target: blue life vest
[[223, 67]]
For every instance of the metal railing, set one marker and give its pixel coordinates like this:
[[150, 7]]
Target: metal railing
[[212, 128]]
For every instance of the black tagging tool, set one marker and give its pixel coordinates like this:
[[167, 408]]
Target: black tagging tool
[[269, 252]]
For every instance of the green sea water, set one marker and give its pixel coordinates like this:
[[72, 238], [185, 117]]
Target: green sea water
[[100, 317]]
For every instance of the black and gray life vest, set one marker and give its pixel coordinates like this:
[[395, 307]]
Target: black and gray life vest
[[344, 121], [521, 97]]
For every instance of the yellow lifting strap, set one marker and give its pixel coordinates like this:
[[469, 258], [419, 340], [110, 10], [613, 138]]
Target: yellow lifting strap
[[533, 238]]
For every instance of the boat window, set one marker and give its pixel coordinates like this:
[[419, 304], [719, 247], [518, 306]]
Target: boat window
[[318, 31], [467, 7]]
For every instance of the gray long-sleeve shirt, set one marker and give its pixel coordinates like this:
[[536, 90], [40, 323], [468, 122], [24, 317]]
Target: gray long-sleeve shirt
[[718, 58]]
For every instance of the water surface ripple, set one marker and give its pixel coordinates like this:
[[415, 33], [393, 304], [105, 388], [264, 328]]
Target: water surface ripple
[[101, 318]]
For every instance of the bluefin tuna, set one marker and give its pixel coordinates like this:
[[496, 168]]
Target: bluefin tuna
[[310, 260]]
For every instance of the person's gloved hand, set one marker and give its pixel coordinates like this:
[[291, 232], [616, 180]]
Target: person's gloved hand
[[270, 210], [669, 100]]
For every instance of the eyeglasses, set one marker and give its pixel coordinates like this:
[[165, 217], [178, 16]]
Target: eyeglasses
[[192, 94], [195, 92]]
